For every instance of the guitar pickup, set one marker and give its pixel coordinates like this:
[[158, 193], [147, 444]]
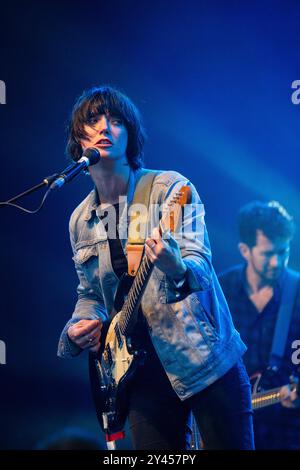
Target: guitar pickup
[[118, 335], [107, 355]]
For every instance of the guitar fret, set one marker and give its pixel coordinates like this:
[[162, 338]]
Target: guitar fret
[[134, 291], [143, 272], [131, 303], [135, 296]]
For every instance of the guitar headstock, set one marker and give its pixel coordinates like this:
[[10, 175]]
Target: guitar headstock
[[172, 218]]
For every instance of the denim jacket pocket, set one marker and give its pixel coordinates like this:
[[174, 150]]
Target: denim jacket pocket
[[205, 321], [87, 260], [84, 253]]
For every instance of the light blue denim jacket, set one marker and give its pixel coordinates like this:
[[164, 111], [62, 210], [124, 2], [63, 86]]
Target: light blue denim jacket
[[192, 332]]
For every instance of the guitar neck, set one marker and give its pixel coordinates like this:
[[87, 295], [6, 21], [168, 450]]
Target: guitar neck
[[262, 399], [131, 305]]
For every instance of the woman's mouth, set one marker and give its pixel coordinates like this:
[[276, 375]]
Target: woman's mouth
[[104, 143]]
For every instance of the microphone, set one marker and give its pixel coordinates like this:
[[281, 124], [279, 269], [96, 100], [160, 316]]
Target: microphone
[[90, 157]]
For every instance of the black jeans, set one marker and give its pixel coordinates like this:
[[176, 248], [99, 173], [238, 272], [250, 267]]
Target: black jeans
[[158, 418]]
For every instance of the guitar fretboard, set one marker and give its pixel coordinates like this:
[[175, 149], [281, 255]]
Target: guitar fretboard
[[262, 399], [131, 305]]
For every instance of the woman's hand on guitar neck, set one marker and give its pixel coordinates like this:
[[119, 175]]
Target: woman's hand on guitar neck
[[86, 334], [165, 254]]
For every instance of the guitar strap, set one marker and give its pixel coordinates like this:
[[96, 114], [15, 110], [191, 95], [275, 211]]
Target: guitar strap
[[289, 290], [138, 218]]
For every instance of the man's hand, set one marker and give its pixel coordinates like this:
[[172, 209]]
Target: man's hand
[[86, 334], [165, 255], [289, 398]]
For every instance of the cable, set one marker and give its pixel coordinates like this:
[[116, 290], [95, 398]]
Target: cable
[[28, 211]]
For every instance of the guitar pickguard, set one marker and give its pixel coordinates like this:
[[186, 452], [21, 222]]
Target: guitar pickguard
[[116, 360]]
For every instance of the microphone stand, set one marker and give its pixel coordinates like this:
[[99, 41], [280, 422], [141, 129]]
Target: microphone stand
[[89, 157], [46, 182]]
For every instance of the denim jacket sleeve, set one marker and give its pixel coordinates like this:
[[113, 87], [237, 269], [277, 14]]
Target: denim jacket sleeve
[[194, 246], [89, 305]]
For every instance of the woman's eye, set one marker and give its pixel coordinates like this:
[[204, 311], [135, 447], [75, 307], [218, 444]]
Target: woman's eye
[[116, 121], [93, 121]]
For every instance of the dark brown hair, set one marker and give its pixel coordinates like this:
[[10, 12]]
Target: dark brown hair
[[110, 101], [269, 217]]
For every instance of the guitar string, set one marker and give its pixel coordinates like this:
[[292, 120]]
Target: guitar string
[[130, 303]]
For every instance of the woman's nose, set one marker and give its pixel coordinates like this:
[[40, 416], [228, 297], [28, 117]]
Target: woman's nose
[[274, 261], [103, 124]]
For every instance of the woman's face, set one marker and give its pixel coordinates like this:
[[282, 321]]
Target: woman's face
[[108, 134]]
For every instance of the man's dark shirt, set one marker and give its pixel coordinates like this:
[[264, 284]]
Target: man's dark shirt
[[275, 426]]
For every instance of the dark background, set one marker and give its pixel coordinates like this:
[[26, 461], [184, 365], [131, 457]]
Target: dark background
[[213, 82]]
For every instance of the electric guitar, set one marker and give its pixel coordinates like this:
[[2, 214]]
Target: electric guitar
[[113, 367]]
